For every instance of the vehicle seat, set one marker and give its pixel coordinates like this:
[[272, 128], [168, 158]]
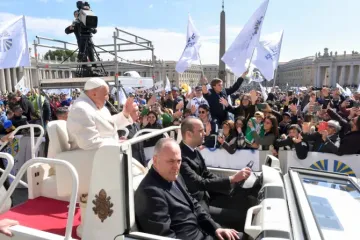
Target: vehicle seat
[[82, 160]]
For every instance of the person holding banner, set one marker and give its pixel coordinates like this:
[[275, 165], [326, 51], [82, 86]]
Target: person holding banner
[[217, 96]]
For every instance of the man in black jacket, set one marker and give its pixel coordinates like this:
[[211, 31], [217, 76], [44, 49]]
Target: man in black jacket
[[216, 96], [25, 104], [227, 204], [164, 207], [294, 141]]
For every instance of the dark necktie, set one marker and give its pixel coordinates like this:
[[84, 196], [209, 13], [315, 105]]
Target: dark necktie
[[175, 189]]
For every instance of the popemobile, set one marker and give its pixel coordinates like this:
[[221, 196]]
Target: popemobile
[[76, 195]]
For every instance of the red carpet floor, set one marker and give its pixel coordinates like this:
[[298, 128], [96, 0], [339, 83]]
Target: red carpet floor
[[44, 214]]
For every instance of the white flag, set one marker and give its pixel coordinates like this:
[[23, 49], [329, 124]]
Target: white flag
[[263, 92], [167, 86], [266, 55], [122, 96], [14, 50], [341, 89], [243, 46], [348, 92], [158, 87], [191, 51], [21, 86]]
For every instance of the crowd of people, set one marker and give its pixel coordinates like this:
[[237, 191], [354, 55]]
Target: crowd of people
[[316, 119]]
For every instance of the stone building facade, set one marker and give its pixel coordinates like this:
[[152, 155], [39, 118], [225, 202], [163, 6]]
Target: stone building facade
[[327, 69]]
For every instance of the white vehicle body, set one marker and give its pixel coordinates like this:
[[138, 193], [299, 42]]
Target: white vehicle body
[[110, 176]]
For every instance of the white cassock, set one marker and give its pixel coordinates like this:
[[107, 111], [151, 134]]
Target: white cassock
[[91, 128]]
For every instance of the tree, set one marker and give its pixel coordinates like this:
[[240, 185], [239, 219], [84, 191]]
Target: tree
[[59, 54]]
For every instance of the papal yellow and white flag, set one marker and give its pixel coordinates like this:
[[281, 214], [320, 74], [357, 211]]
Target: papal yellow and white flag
[[14, 50]]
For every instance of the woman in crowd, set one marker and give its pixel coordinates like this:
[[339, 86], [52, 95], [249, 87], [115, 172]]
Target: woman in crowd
[[211, 127], [151, 121], [247, 106], [271, 133], [228, 139]]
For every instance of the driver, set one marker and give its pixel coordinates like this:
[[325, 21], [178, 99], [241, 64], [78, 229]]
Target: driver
[[227, 205]]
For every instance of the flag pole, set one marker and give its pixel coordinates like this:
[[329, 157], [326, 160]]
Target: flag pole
[[201, 66], [252, 55], [275, 77], [202, 69]]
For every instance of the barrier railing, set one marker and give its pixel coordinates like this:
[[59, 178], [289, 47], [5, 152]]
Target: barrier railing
[[34, 146], [73, 196]]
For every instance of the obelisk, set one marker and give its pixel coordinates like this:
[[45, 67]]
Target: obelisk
[[222, 72]]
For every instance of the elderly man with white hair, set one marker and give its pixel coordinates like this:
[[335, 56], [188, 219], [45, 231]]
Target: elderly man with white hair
[[90, 124]]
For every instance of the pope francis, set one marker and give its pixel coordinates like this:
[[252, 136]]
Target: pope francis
[[90, 124]]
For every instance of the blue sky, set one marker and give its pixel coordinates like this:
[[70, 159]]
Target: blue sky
[[309, 25]]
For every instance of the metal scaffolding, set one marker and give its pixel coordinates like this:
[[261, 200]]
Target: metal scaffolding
[[120, 44]]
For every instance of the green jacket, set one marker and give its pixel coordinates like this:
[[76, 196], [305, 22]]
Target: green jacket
[[259, 129]]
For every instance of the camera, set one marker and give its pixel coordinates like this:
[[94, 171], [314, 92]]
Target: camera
[[86, 17]]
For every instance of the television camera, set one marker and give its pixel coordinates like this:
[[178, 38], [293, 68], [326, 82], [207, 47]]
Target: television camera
[[84, 26], [86, 18]]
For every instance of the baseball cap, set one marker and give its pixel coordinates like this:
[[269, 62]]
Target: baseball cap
[[93, 83], [7, 124]]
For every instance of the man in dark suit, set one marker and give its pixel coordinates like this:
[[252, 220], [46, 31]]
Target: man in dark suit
[[164, 207], [226, 201], [137, 149]]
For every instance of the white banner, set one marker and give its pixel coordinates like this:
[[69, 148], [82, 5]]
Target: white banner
[[58, 91], [242, 48], [220, 158], [347, 164], [191, 51], [14, 50]]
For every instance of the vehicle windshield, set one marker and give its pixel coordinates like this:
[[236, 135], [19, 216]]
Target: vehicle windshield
[[335, 203]]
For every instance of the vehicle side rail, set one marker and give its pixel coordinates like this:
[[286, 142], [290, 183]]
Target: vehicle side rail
[[34, 146], [75, 186], [149, 130], [125, 130], [9, 166]]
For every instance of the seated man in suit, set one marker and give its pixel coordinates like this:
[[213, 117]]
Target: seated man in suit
[[137, 149], [164, 207], [222, 197]]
